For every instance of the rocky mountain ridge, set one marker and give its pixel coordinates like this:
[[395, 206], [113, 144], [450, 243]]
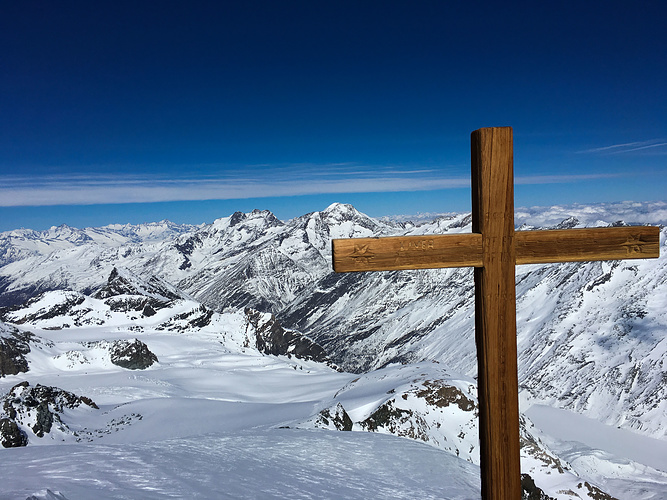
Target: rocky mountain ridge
[[577, 322], [249, 286], [420, 402]]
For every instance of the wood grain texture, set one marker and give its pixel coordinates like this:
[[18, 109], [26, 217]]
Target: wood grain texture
[[407, 252], [602, 243], [494, 249], [465, 250], [495, 313]]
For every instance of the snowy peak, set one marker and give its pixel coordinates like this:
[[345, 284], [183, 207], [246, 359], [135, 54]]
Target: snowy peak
[[339, 220], [22, 243], [146, 232], [64, 236], [633, 213], [345, 221], [254, 220], [67, 233], [569, 223], [342, 211], [225, 236], [124, 282]]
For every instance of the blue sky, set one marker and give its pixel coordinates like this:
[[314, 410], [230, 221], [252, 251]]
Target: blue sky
[[117, 111]]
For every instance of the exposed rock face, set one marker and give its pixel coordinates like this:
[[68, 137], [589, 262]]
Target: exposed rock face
[[133, 355], [427, 403], [422, 402], [130, 354], [124, 282], [197, 317], [125, 291], [271, 338], [594, 492], [132, 303], [424, 410], [14, 345], [36, 409], [529, 491], [441, 395], [60, 304], [334, 418], [530, 445], [398, 421], [11, 436]]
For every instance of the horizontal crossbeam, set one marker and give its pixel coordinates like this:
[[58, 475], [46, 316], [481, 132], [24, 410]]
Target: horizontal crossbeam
[[465, 250]]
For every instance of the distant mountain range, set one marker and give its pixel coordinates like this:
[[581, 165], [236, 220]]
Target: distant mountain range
[[592, 337]]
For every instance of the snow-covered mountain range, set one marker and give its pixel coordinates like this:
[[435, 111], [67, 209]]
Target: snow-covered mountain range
[[251, 305]]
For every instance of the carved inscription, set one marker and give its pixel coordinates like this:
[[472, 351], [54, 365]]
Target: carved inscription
[[414, 251], [494, 255], [362, 255], [418, 245]]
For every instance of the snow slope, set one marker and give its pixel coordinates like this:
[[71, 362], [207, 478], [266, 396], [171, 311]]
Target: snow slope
[[591, 339], [208, 391], [274, 463], [211, 385]]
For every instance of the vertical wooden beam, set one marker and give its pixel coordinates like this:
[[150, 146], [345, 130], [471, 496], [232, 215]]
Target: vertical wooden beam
[[495, 313]]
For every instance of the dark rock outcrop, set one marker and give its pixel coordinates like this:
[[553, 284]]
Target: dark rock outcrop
[[197, 317], [398, 421], [37, 409], [594, 492], [133, 355], [124, 282], [334, 418], [529, 491], [14, 345], [65, 301], [272, 338], [437, 393], [11, 435]]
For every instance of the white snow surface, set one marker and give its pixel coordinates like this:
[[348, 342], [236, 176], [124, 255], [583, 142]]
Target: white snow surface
[[258, 464], [206, 420]]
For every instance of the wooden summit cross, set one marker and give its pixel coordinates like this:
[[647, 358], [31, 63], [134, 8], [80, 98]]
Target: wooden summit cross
[[493, 249]]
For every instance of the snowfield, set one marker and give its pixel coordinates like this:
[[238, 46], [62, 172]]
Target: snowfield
[[205, 362], [279, 463], [205, 422], [215, 416]]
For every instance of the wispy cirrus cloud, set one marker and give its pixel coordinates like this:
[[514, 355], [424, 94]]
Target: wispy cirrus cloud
[[563, 178], [255, 182], [629, 147]]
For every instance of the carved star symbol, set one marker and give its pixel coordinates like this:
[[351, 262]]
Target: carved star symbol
[[362, 251], [633, 244]]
